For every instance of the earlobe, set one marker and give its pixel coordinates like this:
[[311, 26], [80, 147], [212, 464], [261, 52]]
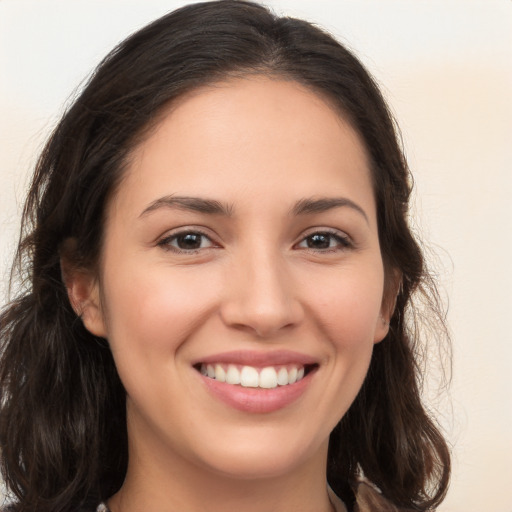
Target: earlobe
[[83, 293], [381, 330], [391, 292]]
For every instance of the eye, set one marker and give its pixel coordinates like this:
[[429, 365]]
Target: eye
[[186, 241], [325, 241]]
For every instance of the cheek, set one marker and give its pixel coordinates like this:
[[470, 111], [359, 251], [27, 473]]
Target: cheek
[[348, 307], [155, 309]]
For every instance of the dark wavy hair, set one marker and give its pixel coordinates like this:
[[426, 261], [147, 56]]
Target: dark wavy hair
[[62, 418]]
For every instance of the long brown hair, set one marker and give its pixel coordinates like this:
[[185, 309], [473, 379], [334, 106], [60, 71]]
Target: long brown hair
[[62, 414]]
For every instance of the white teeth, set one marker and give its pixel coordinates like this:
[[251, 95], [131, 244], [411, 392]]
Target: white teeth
[[282, 376], [220, 374], [269, 378], [250, 377], [232, 375]]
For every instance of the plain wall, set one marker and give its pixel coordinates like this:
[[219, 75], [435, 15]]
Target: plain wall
[[446, 68]]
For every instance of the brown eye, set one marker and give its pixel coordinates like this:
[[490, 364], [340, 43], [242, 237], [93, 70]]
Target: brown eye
[[319, 241], [324, 240], [187, 241]]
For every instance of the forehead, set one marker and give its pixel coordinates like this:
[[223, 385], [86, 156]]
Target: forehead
[[246, 135]]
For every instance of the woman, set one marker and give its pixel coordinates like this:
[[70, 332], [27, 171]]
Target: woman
[[219, 281]]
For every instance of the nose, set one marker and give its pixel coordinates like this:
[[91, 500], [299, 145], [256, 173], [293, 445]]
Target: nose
[[260, 296]]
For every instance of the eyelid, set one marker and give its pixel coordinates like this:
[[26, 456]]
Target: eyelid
[[164, 240], [345, 239]]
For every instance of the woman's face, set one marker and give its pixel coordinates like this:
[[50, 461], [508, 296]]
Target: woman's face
[[243, 244]]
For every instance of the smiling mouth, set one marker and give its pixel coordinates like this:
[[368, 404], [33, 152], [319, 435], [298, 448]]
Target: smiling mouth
[[267, 377]]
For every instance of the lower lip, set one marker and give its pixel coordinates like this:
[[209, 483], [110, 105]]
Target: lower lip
[[257, 400]]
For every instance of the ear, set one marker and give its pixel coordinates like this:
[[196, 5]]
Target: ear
[[84, 295], [392, 286]]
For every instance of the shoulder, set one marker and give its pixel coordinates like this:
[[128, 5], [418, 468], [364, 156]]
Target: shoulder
[[367, 498], [100, 508], [370, 499]]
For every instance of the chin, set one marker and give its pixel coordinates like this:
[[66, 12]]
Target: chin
[[251, 468], [259, 458]]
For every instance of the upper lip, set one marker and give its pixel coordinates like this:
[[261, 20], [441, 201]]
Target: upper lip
[[258, 358]]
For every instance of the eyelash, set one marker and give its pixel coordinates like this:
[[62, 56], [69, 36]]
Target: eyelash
[[343, 241], [166, 243]]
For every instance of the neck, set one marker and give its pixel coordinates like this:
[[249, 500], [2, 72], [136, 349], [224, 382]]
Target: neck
[[168, 484]]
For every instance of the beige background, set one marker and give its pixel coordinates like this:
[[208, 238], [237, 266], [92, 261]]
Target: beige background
[[446, 67]]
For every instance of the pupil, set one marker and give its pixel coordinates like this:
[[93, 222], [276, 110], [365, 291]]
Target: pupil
[[189, 241], [319, 241]]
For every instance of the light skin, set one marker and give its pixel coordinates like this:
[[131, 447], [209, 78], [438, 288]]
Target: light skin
[[246, 222]]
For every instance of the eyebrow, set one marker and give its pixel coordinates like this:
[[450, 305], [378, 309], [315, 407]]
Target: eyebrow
[[194, 204], [213, 207], [322, 204]]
